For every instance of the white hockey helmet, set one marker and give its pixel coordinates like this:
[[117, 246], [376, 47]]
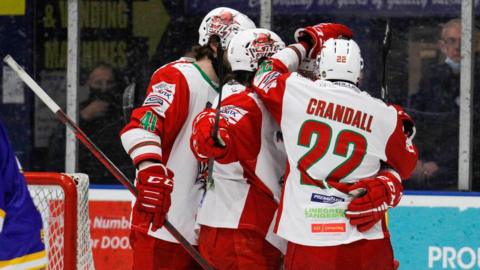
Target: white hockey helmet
[[340, 59], [248, 47], [225, 23]]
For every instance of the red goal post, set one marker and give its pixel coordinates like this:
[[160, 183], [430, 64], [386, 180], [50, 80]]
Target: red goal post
[[62, 200]]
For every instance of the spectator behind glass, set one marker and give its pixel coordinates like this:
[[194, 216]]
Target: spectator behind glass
[[436, 110], [100, 117], [102, 96]]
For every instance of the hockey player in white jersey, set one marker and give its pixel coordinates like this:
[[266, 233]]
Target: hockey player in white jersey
[[336, 137], [157, 140], [237, 212]]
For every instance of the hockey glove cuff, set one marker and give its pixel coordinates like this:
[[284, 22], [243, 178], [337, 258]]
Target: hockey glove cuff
[[154, 184], [373, 197]]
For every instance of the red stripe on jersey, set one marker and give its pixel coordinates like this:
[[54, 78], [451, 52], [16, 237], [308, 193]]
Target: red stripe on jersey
[[149, 156], [258, 211], [167, 126], [135, 147]]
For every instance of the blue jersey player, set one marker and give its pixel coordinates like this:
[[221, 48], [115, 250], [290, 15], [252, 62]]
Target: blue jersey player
[[21, 241]]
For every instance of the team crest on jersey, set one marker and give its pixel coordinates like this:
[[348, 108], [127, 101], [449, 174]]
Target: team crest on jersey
[[262, 46], [164, 90], [222, 25], [232, 113]]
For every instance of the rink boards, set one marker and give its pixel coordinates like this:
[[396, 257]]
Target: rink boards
[[437, 230], [430, 230]]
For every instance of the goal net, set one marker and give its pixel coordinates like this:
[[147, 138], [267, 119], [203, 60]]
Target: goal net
[[62, 200]]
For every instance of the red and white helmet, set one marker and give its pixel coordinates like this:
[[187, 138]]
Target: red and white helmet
[[340, 59], [248, 47], [225, 23]]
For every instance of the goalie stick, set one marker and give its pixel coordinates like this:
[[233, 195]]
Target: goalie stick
[[98, 153], [387, 41]]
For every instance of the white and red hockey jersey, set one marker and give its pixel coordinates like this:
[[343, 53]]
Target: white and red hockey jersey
[[247, 180], [160, 130], [332, 132]]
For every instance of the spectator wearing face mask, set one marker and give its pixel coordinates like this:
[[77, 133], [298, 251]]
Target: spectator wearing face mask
[[103, 95], [100, 117], [436, 110], [104, 103]]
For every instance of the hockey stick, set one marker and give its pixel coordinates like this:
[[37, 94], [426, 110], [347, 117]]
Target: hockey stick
[[387, 41], [97, 152], [218, 141]]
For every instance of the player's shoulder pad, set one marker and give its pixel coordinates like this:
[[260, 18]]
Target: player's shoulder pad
[[321, 83], [185, 68], [241, 98], [165, 83], [232, 87], [168, 72]]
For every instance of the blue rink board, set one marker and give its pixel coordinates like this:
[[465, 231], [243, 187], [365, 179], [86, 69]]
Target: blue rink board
[[436, 237]]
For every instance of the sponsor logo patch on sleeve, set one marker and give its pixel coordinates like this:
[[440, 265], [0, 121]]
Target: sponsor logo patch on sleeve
[[157, 102], [164, 90], [232, 113], [153, 100]]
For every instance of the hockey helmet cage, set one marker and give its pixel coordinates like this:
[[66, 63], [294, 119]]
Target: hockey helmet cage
[[251, 46], [340, 59], [225, 23]]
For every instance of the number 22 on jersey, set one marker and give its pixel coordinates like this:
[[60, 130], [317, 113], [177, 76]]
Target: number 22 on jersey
[[319, 148]]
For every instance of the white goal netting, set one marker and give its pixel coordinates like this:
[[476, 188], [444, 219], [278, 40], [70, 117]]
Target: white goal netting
[[67, 240]]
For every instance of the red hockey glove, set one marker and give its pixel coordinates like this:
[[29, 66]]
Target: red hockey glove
[[373, 197], [154, 184], [202, 142], [315, 36]]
